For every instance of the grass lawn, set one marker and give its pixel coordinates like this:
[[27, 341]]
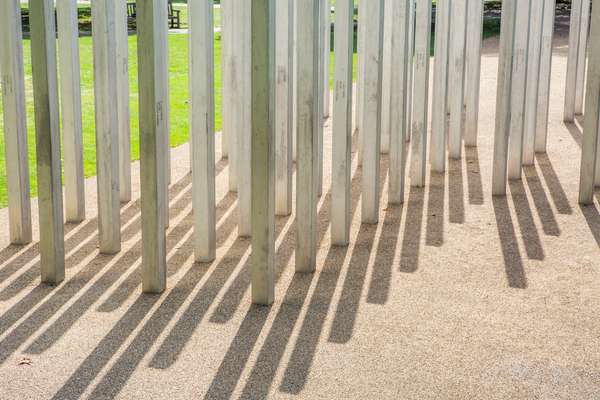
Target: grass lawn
[[178, 79]]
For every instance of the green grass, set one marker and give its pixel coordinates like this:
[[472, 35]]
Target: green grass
[[178, 80], [178, 85]]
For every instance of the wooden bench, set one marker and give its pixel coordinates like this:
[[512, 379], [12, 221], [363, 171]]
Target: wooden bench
[[131, 11], [174, 15]]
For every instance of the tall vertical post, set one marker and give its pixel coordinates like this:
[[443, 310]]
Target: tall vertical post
[[307, 111], [242, 119], [122, 77], [503, 97], [533, 80], [227, 79], [295, 85], [582, 56], [589, 147], [202, 127], [371, 113], [473, 70], [421, 93], [541, 134], [47, 133], [359, 63], [321, 116], [439, 118], [326, 54], [399, 82], [107, 125], [572, 60], [456, 77], [70, 96], [519, 83], [231, 76], [360, 85], [263, 151], [342, 123], [12, 80], [411, 68], [164, 71], [152, 47], [284, 58], [386, 77]]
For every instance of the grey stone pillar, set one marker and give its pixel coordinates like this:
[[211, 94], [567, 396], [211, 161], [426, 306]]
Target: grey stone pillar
[[284, 112], [420, 122], [503, 97], [308, 77], [202, 127], [342, 123], [12, 80], [399, 97], [47, 133], [541, 134], [439, 117], [123, 116], [107, 125], [262, 28], [152, 49], [70, 96], [517, 96], [371, 113], [473, 70], [589, 147]]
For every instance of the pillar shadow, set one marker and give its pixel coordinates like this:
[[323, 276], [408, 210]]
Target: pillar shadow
[[102, 354], [540, 199], [575, 132], [513, 263], [232, 299], [9, 267], [347, 307], [559, 197], [64, 293], [529, 232], [128, 286], [86, 238], [73, 233], [456, 192], [270, 356], [409, 257], [121, 370], [184, 328], [232, 366], [349, 301], [434, 235], [592, 218], [269, 359], [79, 231], [91, 367], [97, 266], [29, 252], [474, 176], [49, 308], [77, 309], [381, 275]]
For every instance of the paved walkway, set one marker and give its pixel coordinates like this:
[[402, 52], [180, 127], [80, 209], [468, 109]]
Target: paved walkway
[[453, 295]]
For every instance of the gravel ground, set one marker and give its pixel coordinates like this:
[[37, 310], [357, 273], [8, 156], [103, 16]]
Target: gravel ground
[[452, 295]]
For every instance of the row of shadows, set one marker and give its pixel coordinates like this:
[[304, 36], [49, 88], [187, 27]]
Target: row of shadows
[[102, 272]]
